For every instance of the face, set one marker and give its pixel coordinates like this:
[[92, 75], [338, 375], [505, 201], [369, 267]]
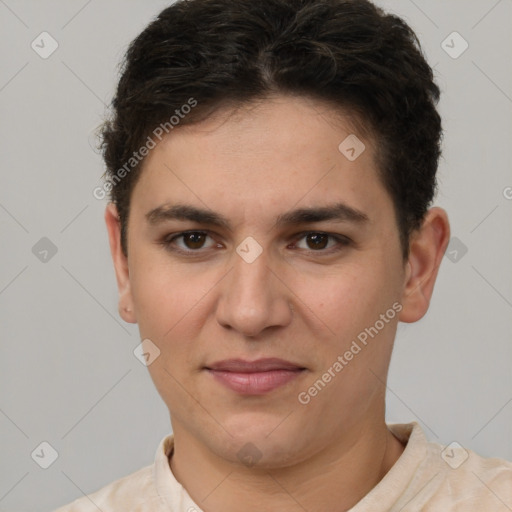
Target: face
[[291, 260]]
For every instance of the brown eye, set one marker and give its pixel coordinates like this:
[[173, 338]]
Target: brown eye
[[322, 243], [194, 240], [188, 242], [317, 240]]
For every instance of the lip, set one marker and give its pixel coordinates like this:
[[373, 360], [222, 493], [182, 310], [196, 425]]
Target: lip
[[254, 377], [259, 365]]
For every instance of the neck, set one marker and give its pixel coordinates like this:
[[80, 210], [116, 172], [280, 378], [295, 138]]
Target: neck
[[335, 478]]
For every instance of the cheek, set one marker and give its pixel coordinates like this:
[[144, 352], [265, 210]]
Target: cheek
[[164, 298], [169, 303], [346, 299], [347, 308]]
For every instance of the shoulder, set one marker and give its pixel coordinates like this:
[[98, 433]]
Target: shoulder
[[432, 477], [127, 493], [144, 490], [464, 480]]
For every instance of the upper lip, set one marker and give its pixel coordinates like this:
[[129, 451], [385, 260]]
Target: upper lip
[[259, 365]]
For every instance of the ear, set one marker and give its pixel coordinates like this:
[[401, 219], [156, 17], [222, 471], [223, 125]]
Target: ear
[[126, 306], [426, 250]]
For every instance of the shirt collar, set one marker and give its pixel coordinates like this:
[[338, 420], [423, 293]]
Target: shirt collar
[[176, 498]]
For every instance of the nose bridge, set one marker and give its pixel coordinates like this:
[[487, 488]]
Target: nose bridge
[[251, 276], [252, 298]]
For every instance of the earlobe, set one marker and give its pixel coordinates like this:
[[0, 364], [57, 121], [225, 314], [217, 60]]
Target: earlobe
[[427, 247], [126, 307]]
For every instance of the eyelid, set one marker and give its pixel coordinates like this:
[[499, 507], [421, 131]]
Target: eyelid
[[320, 232], [341, 240]]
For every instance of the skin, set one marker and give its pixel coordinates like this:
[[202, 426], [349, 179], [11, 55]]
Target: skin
[[295, 301]]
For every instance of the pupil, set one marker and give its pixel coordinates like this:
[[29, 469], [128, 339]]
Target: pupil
[[317, 240], [195, 240]]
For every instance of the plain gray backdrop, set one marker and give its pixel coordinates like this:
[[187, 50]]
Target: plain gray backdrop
[[68, 373]]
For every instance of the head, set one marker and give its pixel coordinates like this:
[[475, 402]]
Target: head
[[298, 141]]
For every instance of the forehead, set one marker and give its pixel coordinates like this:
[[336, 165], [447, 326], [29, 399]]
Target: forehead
[[277, 121], [283, 151]]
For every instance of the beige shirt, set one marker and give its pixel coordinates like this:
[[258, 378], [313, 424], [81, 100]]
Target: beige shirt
[[427, 477]]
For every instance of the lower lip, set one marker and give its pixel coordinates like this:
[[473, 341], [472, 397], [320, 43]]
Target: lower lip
[[256, 383]]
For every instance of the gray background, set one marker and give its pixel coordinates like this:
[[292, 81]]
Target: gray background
[[68, 373]]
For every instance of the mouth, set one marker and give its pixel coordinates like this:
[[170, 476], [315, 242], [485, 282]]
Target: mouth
[[254, 377]]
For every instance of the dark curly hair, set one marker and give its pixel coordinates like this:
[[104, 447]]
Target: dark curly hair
[[199, 56]]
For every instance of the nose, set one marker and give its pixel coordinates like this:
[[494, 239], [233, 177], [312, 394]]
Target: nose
[[254, 297]]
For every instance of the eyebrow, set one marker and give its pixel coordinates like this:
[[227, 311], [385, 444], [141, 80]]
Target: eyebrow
[[338, 212]]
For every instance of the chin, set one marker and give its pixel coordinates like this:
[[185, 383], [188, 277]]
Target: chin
[[259, 442]]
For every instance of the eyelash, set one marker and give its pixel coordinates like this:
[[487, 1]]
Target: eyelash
[[342, 241]]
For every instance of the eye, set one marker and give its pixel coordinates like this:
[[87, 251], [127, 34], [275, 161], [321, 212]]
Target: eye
[[319, 242], [192, 241]]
